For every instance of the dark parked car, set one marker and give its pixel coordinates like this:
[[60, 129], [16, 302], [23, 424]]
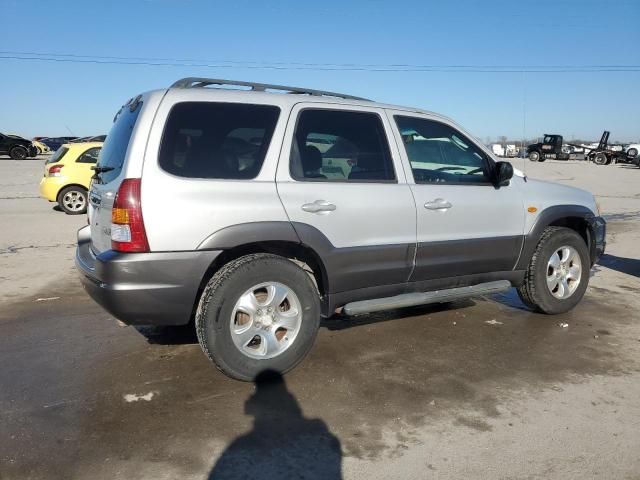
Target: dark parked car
[[54, 143], [17, 148], [97, 138]]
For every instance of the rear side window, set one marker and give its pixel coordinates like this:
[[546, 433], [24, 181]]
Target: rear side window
[[217, 140], [340, 146], [56, 157], [117, 142]]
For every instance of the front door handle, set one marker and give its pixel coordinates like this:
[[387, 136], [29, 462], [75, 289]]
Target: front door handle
[[319, 206], [438, 204]]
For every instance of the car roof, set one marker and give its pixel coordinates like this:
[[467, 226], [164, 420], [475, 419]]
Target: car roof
[[223, 93], [82, 145]]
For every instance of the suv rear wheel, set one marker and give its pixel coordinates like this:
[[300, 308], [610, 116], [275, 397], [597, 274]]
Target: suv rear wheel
[[18, 153], [259, 312], [558, 273]]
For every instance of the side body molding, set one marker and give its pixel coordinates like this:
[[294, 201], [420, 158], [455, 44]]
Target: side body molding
[[245, 233], [546, 218], [345, 268]]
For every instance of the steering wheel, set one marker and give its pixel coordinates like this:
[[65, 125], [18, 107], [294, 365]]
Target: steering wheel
[[442, 169]]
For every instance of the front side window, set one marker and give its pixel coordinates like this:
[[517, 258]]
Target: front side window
[[217, 140], [439, 153], [342, 146], [90, 156]]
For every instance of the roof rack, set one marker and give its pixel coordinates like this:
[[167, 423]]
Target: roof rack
[[196, 82]]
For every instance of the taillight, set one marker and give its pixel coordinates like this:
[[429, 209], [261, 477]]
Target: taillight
[[55, 170], [127, 227]]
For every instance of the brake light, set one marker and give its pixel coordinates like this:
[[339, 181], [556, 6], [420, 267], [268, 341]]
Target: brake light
[[127, 226], [55, 170]]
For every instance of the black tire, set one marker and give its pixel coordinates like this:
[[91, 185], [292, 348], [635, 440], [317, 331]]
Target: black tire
[[601, 159], [632, 152], [18, 153], [534, 291], [542, 158], [534, 156], [73, 207], [217, 303]]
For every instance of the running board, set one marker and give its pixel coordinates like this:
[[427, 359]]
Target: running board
[[423, 298]]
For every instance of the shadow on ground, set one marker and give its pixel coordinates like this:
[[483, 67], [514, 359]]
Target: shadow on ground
[[282, 443], [630, 266]]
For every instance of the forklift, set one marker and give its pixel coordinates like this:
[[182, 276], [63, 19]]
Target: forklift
[[603, 155]]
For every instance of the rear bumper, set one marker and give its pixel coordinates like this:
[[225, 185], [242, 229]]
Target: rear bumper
[[50, 186], [158, 288], [598, 227]]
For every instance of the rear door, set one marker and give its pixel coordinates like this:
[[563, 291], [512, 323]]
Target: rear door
[[465, 225], [343, 187]]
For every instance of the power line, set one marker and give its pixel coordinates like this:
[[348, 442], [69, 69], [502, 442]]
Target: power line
[[170, 62]]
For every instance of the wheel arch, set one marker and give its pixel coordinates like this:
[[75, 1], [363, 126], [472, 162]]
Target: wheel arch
[[82, 187], [576, 217], [277, 238]]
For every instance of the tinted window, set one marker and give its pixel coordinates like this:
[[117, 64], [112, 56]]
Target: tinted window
[[439, 153], [90, 156], [57, 156], [336, 145], [117, 142], [217, 140]]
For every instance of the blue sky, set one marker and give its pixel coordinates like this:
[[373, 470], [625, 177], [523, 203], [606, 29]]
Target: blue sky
[[53, 98]]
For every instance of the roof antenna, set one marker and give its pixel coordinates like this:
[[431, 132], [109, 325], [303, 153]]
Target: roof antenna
[[524, 121]]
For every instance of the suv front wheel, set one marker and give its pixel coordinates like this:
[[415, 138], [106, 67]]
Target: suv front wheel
[[558, 273], [258, 312]]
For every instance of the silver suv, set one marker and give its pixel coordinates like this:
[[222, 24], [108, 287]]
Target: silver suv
[[254, 210]]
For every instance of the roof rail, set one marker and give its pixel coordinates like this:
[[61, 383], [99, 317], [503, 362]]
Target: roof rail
[[196, 82]]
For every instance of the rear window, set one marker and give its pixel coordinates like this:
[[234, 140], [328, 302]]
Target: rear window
[[117, 141], [217, 140], [56, 157]]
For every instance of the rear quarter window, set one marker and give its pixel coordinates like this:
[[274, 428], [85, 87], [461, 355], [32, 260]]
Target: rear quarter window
[[117, 141], [57, 156], [217, 140]]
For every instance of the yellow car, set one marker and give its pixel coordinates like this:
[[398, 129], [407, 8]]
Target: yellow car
[[42, 148], [67, 175]]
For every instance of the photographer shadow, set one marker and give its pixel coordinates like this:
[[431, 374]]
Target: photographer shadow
[[282, 444]]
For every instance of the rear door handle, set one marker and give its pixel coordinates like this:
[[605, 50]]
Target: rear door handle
[[319, 206], [438, 204]]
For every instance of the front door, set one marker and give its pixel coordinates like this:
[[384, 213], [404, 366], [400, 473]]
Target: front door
[[466, 225], [343, 188]]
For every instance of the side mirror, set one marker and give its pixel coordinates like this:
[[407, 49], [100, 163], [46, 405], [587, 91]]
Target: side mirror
[[504, 173]]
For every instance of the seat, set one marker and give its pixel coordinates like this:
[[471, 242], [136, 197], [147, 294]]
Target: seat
[[311, 159], [369, 167]]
